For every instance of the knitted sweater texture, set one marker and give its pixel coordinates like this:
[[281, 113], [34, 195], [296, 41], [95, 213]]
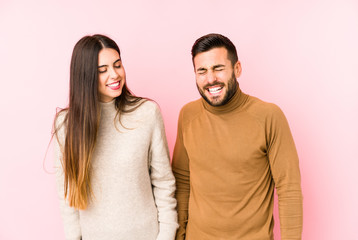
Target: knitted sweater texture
[[131, 177], [227, 161]]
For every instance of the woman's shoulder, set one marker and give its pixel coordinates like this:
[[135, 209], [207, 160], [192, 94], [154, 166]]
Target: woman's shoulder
[[142, 105], [148, 109], [150, 105], [59, 128], [60, 118]]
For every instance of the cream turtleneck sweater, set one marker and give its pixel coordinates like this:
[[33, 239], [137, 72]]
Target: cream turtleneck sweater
[[227, 161], [132, 181]]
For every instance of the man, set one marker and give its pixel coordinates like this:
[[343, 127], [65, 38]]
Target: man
[[231, 151]]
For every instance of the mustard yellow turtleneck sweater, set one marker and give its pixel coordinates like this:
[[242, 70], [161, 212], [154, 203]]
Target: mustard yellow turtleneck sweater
[[227, 161]]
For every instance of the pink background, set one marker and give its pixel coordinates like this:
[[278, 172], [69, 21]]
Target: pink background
[[301, 55]]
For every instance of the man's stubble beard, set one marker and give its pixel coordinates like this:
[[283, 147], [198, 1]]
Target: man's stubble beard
[[231, 90]]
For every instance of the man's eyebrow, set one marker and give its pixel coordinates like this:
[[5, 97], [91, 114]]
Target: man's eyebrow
[[113, 63], [201, 69], [218, 66]]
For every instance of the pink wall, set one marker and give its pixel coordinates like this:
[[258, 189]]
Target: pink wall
[[302, 55]]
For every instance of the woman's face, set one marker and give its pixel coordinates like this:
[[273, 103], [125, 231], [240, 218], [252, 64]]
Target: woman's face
[[111, 74]]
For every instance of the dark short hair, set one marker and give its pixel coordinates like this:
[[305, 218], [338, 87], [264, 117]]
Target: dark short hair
[[214, 40]]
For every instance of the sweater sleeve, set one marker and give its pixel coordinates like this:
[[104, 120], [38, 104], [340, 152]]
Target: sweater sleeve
[[163, 181], [70, 216], [284, 164], [182, 177]]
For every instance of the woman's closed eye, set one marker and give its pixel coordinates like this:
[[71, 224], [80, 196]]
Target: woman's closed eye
[[102, 69]]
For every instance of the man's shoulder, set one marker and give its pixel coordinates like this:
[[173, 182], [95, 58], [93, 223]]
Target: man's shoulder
[[190, 110], [192, 106], [261, 108]]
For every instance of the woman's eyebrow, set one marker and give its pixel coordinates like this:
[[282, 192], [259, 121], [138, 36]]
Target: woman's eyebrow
[[113, 63]]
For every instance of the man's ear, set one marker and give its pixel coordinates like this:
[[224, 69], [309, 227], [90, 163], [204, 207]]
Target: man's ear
[[237, 69]]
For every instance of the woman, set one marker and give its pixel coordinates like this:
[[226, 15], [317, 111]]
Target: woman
[[113, 171]]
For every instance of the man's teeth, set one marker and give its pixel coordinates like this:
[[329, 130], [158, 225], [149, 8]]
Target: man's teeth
[[113, 84], [215, 89]]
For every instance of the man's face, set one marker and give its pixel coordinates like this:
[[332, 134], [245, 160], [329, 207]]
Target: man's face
[[215, 76]]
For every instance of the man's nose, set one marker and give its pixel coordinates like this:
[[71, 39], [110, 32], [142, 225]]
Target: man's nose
[[211, 77]]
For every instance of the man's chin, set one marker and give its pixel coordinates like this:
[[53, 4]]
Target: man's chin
[[214, 101]]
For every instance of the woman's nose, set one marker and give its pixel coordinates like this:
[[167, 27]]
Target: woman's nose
[[113, 73]]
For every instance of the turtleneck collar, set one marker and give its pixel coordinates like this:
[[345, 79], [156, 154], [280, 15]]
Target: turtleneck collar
[[107, 106], [236, 101]]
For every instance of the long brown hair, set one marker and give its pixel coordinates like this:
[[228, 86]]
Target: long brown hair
[[82, 117]]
